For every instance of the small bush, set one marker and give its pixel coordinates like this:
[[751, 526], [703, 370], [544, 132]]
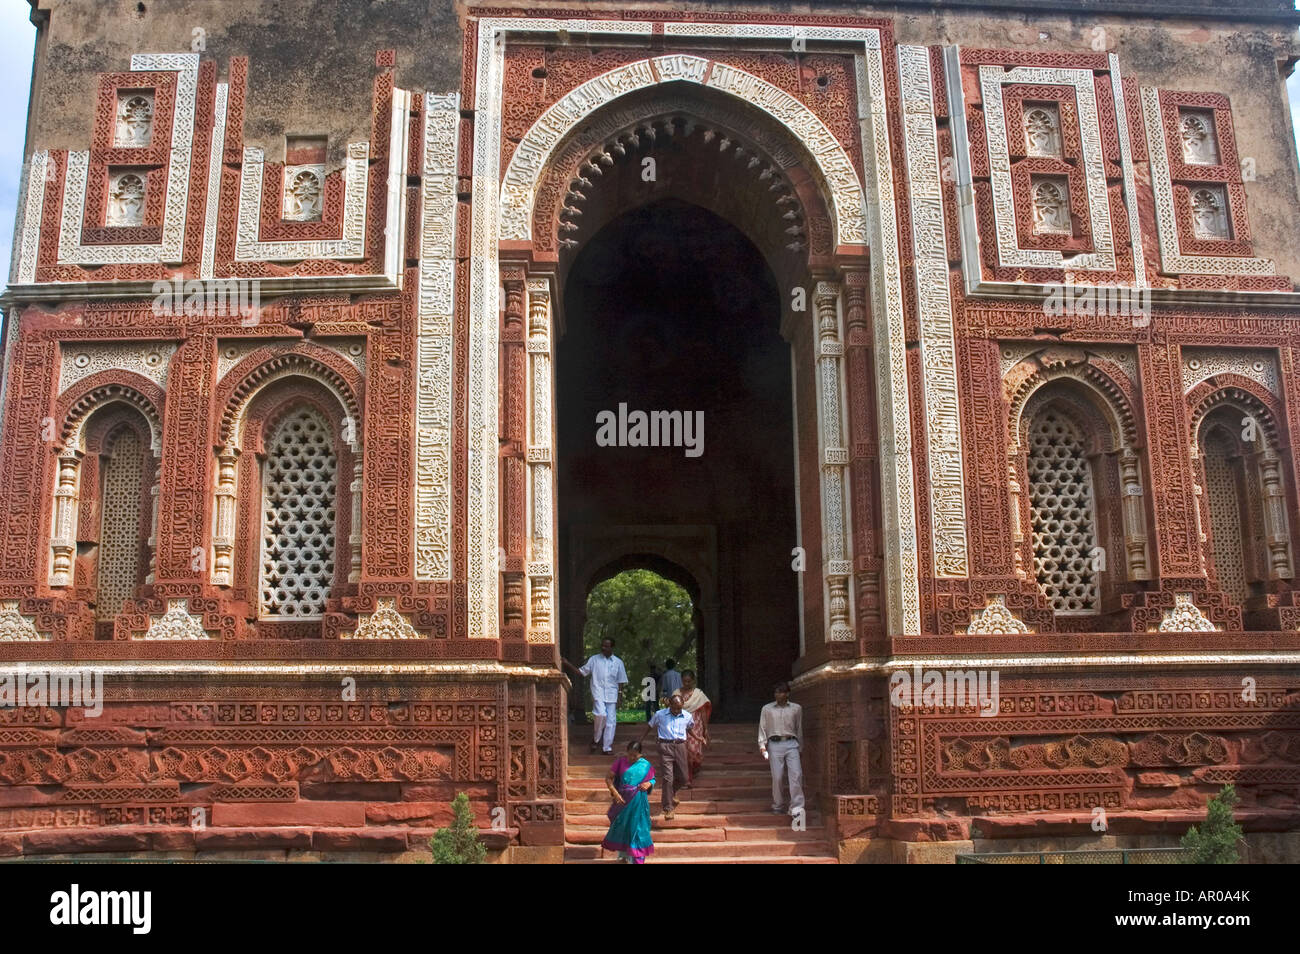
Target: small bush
[[459, 844], [1215, 842]]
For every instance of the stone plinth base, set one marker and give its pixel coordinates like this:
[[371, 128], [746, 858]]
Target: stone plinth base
[[1263, 847]]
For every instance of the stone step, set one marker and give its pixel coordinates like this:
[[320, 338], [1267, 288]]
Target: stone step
[[732, 755], [709, 771], [612, 858], [704, 783], [577, 835], [599, 801], [580, 816], [731, 849]]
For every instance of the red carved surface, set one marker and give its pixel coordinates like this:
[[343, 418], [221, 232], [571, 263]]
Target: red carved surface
[[292, 765]]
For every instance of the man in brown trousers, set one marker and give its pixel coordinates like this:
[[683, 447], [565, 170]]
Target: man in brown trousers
[[671, 724]]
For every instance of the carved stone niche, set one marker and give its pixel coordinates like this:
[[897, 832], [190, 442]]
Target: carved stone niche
[[1196, 133], [1210, 212], [134, 126], [1042, 122], [126, 193], [304, 189], [304, 178], [1051, 198]]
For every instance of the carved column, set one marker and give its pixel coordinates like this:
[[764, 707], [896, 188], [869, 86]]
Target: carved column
[[354, 537], [1017, 528], [862, 436], [1277, 535], [512, 426], [541, 509], [836, 562], [63, 543], [1135, 521], [223, 516], [152, 541]]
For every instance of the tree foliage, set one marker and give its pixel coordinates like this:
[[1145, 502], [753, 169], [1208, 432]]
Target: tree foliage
[[459, 844], [650, 619], [1215, 842]]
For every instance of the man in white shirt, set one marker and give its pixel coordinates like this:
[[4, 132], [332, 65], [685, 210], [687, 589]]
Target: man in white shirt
[[671, 724], [608, 676], [780, 734]]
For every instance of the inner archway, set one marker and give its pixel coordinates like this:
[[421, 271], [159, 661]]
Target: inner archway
[[669, 308]]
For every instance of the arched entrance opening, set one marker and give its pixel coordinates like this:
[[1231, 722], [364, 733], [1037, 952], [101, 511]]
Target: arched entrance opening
[[671, 266], [652, 615], [669, 309]]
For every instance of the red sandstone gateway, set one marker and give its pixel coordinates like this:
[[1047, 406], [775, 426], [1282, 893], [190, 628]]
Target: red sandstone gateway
[[327, 549]]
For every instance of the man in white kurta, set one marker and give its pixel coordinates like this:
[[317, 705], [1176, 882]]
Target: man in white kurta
[[608, 676]]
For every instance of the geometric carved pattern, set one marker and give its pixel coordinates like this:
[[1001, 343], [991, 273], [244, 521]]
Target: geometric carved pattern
[[298, 502], [1009, 253], [117, 572], [170, 249], [1222, 491], [147, 359], [1061, 505], [1173, 258], [248, 246]]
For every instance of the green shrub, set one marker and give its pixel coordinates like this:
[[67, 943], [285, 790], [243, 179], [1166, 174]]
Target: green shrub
[[459, 844], [1215, 842]]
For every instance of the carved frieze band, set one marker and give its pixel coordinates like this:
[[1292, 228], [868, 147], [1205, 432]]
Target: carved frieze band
[[1126, 163], [898, 494], [214, 181], [934, 308], [1172, 259], [435, 315], [171, 249]]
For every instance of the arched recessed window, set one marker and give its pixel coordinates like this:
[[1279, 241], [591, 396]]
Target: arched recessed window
[[1243, 493], [122, 562], [1062, 508], [299, 497], [1226, 501], [104, 511]]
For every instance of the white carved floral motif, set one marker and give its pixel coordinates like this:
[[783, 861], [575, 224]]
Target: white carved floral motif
[[125, 199], [1196, 132], [134, 128], [303, 193]]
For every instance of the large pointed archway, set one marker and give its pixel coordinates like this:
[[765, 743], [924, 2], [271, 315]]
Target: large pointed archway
[[684, 243]]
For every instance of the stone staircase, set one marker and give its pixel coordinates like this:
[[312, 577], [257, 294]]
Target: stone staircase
[[723, 818]]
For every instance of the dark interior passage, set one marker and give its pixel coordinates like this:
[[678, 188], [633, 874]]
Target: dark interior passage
[[670, 308]]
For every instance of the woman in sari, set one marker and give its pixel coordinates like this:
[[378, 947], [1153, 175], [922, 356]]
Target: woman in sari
[[629, 783], [697, 704]]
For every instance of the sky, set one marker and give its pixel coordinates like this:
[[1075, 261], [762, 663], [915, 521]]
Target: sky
[[17, 44]]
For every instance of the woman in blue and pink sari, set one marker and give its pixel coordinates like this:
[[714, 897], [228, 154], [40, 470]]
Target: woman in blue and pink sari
[[629, 783]]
